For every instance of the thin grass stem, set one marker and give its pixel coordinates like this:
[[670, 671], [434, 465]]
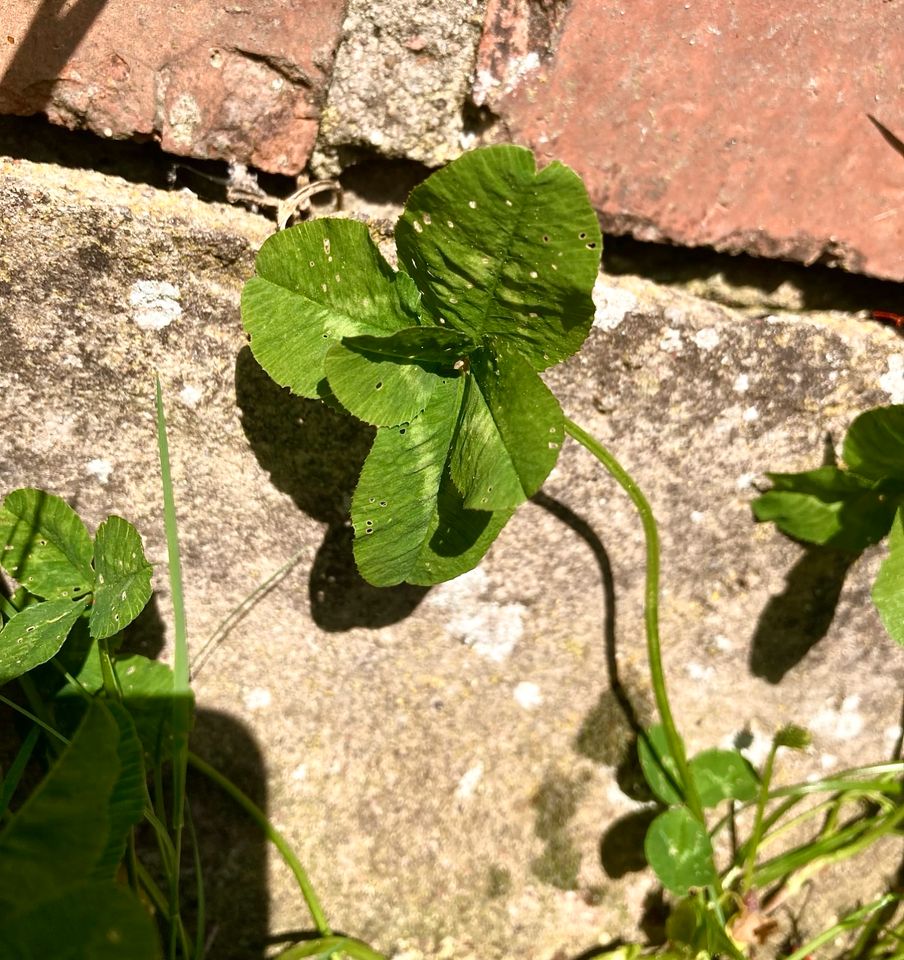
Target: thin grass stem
[[273, 835], [181, 683]]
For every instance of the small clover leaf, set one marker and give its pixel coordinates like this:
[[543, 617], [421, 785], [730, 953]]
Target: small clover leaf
[[498, 262], [851, 509]]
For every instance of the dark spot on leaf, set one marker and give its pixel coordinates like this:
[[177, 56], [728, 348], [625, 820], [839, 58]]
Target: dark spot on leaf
[[591, 246], [379, 386]]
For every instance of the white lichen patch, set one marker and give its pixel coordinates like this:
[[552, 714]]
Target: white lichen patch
[[527, 695], [893, 381], [469, 781], [155, 304], [100, 469], [258, 698], [707, 338], [300, 772], [183, 115], [698, 671], [741, 384], [190, 395], [612, 305], [514, 72], [745, 481], [492, 632], [751, 414], [671, 341], [491, 629], [841, 724]]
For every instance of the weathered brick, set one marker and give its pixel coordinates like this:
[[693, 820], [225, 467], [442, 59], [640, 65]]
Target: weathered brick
[[237, 81], [738, 125]]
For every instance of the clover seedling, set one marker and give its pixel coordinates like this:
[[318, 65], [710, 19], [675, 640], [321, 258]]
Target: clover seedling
[[853, 508]]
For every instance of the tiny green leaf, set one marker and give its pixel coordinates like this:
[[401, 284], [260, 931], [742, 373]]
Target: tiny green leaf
[[316, 283], [888, 590], [123, 577], [827, 506], [658, 765], [44, 545], [34, 635], [874, 444], [679, 850], [694, 926], [723, 775]]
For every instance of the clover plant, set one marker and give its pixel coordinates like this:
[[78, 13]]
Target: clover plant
[[116, 729], [496, 265], [852, 507]]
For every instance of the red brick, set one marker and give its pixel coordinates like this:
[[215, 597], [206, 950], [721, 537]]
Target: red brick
[[741, 125], [239, 80]]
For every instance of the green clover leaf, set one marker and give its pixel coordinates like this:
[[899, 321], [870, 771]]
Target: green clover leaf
[[497, 264]]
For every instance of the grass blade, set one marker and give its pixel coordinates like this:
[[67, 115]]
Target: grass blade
[[181, 682]]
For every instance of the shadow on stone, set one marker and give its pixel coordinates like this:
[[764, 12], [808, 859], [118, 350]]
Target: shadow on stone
[[621, 846], [619, 695], [233, 850], [55, 31], [556, 803], [793, 622], [724, 275], [315, 454]]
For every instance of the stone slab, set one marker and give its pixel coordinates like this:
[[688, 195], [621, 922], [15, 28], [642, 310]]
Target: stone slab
[[240, 81], [447, 763], [744, 126]]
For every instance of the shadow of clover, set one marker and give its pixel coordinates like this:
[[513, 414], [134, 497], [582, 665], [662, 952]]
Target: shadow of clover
[[314, 454]]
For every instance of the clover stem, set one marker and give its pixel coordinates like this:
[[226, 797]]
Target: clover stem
[[651, 609]]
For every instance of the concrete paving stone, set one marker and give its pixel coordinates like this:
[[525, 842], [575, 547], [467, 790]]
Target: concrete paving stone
[[448, 763], [236, 81], [744, 126]]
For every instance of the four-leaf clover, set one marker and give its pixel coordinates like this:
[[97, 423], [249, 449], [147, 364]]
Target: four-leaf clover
[[497, 264]]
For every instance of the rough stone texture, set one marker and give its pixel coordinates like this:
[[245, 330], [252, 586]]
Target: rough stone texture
[[400, 81], [239, 81], [739, 125], [448, 762]]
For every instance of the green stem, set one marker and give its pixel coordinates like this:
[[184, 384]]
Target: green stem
[[181, 684], [846, 923], [651, 610], [328, 946], [273, 835], [112, 689], [26, 713], [756, 834]]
